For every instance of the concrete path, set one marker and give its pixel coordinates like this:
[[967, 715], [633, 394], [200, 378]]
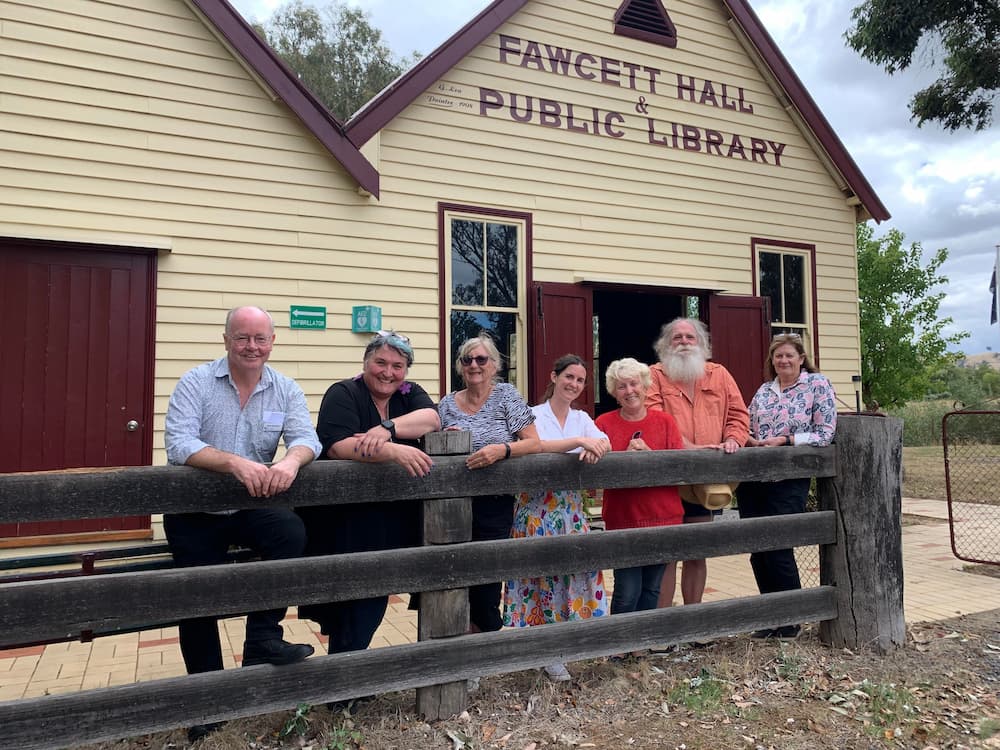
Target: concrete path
[[935, 587]]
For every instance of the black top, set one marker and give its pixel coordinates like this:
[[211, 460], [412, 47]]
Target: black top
[[348, 409]]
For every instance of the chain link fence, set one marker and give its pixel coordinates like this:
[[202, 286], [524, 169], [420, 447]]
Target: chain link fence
[[972, 478]]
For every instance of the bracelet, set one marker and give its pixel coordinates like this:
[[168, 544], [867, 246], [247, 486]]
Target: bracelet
[[506, 447]]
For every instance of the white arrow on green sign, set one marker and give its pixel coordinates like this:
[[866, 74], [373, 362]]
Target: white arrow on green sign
[[305, 316]]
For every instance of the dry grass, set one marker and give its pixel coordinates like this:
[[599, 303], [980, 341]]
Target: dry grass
[[939, 691], [923, 472]]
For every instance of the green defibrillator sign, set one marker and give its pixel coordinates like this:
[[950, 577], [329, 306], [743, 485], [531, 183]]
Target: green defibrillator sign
[[304, 316]]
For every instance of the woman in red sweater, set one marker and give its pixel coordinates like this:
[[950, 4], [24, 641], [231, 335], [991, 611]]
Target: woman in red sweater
[[633, 428]]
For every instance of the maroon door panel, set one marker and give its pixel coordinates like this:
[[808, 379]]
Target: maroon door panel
[[562, 322], [77, 341], [740, 337]]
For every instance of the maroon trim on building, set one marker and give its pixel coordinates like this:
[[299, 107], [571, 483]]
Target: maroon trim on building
[[396, 97], [646, 20], [803, 102], [266, 63], [443, 255], [400, 93], [811, 249]]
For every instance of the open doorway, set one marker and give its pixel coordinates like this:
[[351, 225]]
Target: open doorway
[[626, 323]]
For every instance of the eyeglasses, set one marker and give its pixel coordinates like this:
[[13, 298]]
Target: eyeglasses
[[479, 359], [786, 337], [242, 339]]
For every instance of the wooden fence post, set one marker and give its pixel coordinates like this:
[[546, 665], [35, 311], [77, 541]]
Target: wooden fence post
[[866, 563], [444, 614]]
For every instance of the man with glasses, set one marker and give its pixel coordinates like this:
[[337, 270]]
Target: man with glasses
[[227, 416], [707, 405]]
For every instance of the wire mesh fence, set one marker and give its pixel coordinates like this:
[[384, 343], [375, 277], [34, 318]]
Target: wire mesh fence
[[972, 478]]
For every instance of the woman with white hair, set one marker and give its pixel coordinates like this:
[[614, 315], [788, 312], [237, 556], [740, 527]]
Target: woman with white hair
[[633, 427]]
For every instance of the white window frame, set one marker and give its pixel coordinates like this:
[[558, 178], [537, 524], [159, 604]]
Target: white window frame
[[805, 329], [515, 370]]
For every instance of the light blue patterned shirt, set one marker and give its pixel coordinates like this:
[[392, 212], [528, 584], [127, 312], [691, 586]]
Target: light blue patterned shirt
[[806, 410], [204, 411]]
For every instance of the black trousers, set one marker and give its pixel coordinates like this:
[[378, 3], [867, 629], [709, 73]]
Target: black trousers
[[203, 539], [492, 518], [774, 570], [339, 529]]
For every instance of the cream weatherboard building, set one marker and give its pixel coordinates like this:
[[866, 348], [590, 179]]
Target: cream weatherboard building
[[568, 174]]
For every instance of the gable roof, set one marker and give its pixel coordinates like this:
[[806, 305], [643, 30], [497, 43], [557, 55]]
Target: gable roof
[[397, 96], [273, 71]]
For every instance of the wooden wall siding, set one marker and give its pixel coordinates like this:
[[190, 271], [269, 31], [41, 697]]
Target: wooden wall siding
[[129, 122], [624, 207]]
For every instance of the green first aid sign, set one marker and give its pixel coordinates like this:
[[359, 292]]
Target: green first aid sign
[[304, 316]]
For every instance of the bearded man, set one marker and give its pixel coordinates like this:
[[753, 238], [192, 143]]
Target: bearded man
[[706, 403]]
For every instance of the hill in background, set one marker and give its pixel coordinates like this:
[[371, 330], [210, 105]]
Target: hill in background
[[990, 358]]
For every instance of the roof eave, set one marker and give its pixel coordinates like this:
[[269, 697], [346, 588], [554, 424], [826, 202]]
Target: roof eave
[[395, 98], [286, 85], [807, 108]]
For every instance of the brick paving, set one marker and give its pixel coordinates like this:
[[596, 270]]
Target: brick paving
[[936, 587]]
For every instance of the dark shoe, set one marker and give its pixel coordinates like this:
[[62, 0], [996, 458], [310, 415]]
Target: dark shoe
[[784, 633], [349, 707], [275, 652], [787, 632], [198, 731]]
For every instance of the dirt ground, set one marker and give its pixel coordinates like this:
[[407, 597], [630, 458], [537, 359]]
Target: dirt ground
[[939, 691]]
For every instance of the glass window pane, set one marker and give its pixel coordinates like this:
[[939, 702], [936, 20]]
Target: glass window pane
[[466, 262], [466, 324], [795, 294], [770, 282], [501, 265]]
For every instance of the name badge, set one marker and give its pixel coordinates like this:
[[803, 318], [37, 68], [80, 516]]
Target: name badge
[[274, 420]]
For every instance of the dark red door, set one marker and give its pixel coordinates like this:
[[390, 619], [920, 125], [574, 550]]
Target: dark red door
[[75, 386], [741, 334], [562, 322]]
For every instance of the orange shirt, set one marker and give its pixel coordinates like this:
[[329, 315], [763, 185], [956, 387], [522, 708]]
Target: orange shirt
[[717, 412]]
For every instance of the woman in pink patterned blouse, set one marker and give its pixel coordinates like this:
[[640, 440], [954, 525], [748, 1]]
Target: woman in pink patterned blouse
[[796, 406]]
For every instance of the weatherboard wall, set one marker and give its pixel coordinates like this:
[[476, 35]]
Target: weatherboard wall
[[633, 207], [132, 124]]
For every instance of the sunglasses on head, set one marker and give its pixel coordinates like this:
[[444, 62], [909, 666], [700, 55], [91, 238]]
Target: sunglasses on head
[[392, 335], [480, 359]]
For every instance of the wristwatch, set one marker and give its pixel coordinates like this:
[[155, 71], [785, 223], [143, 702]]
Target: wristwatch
[[390, 426]]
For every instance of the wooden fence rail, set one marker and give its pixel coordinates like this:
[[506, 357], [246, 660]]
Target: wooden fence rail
[[859, 602]]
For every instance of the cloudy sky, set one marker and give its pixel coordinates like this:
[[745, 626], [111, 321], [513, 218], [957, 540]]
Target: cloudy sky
[[942, 189]]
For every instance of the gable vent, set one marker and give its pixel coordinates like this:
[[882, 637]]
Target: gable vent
[[646, 20]]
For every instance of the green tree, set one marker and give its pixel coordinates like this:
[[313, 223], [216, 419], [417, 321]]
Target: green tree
[[902, 345], [963, 36], [335, 51]]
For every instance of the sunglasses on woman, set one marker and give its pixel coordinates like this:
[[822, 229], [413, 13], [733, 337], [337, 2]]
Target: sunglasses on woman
[[479, 359]]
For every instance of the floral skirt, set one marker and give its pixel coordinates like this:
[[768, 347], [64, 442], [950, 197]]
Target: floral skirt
[[570, 596]]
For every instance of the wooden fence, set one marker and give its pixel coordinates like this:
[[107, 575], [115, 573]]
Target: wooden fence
[[859, 601]]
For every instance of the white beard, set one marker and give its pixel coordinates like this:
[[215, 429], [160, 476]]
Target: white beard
[[684, 364]]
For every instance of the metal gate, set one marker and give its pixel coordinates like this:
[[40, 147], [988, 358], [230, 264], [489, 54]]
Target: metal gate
[[972, 478]]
